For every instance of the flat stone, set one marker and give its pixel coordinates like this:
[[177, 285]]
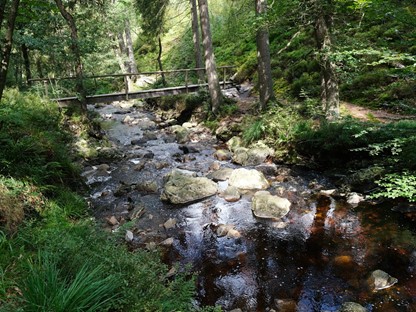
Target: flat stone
[[248, 179], [267, 206], [221, 174]]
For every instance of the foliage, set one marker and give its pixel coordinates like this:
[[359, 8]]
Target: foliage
[[397, 185], [277, 127], [33, 144]]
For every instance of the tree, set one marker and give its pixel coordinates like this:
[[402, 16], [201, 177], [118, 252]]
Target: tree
[[8, 42], [210, 66], [76, 51], [263, 57], [196, 39], [153, 20], [323, 11]]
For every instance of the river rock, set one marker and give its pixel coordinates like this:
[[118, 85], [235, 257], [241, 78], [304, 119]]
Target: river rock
[[381, 280], [129, 236], [222, 155], [267, 206], [251, 156], [352, 307], [182, 188], [181, 133], [147, 187], [285, 305], [234, 143], [248, 179], [221, 174], [231, 194], [354, 198], [170, 224]]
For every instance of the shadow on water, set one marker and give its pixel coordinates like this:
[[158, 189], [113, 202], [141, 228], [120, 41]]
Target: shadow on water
[[317, 257]]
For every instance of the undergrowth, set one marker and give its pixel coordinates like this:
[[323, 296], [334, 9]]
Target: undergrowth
[[53, 256]]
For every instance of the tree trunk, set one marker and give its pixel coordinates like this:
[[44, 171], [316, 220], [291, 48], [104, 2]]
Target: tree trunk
[[329, 81], [130, 52], [159, 61], [210, 66], [197, 40], [26, 59], [2, 9], [123, 52], [7, 47], [39, 67], [77, 53], [263, 59]]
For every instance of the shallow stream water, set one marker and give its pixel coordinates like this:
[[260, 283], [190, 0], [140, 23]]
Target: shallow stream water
[[316, 258]]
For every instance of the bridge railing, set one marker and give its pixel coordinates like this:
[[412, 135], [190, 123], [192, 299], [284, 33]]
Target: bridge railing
[[95, 84]]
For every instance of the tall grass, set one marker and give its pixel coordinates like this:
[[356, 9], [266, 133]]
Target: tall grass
[[47, 288]]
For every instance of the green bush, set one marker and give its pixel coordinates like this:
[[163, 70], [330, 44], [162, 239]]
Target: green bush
[[397, 185]]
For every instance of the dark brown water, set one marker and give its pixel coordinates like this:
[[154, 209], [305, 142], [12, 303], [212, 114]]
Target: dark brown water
[[319, 256]]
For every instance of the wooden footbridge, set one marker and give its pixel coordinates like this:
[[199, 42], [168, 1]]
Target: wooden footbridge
[[188, 86]]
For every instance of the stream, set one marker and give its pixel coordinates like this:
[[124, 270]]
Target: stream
[[319, 256]]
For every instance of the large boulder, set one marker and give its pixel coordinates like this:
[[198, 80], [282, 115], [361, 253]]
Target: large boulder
[[182, 188], [252, 156], [267, 206], [248, 179]]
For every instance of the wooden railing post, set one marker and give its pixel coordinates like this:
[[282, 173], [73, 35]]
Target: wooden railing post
[[186, 80], [45, 83], [223, 77], [126, 86]]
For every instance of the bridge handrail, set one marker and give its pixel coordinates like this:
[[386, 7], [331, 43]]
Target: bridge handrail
[[127, 74]]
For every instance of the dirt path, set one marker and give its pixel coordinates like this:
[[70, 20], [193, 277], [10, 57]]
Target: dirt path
[[367, 114]]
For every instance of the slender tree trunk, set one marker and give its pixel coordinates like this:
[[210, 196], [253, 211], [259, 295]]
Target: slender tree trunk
[[159, 61], [329, 81], [123, 52], [263, 59], [210, 66], [197, 40], [7, 47], [39, 67], [130, 52], [2, 10], [76, 51], [26, 59]]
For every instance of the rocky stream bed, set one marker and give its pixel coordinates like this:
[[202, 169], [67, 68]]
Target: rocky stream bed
[[259, 236]]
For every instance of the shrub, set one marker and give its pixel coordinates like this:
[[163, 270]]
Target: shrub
[[397, 185]]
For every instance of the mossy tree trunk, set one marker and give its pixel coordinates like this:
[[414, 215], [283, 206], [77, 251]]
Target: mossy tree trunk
[[329, 80], [196, 39], [263, 58], [210, 66]]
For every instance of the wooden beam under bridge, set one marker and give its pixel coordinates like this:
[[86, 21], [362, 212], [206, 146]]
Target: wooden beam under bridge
[[142, 94]]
